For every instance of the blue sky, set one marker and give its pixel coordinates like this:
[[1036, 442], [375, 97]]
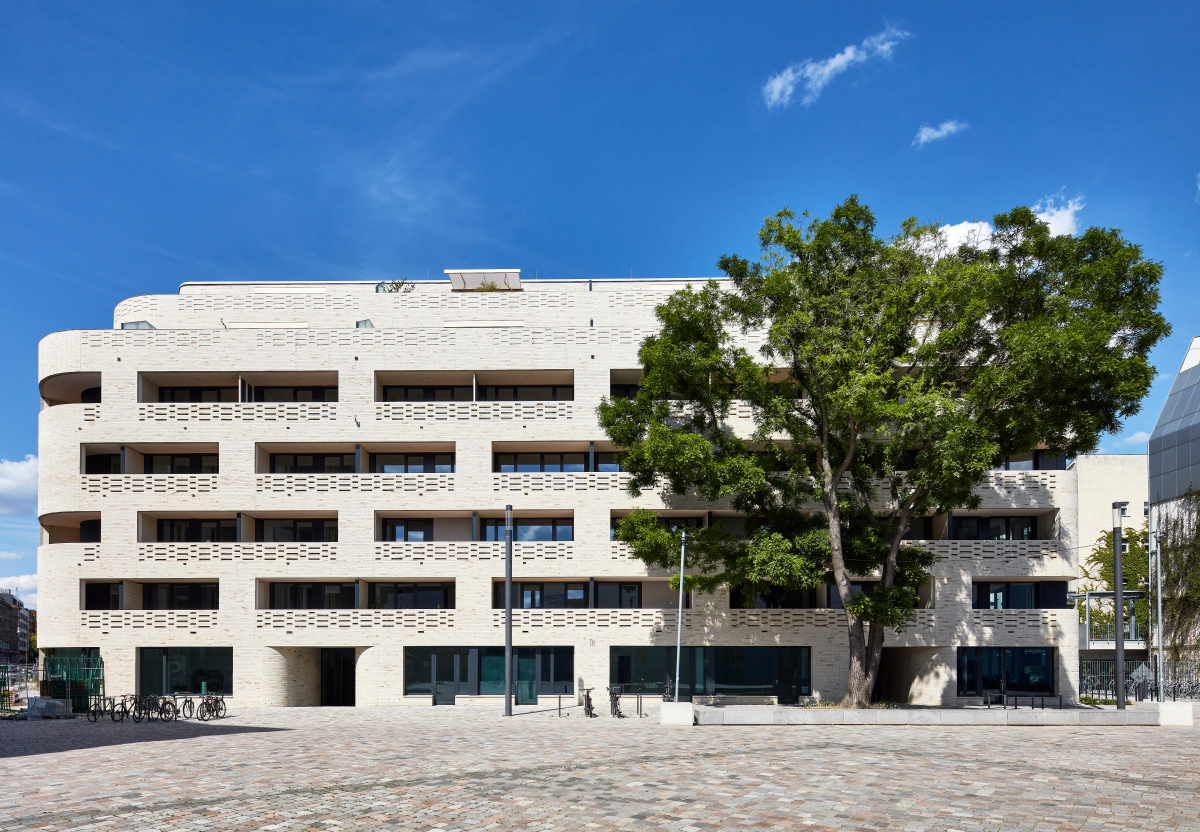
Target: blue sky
[[143, 145]]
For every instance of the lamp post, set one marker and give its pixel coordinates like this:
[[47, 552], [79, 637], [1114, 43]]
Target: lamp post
[[679, 628], [1119, 510], [508, 665]]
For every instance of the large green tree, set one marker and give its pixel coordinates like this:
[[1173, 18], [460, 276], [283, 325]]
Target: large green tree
[[884, 378]]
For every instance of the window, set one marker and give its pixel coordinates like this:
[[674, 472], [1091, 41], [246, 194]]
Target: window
[[89, 531], [609, 462], [295, 394], [774, 599], [312, 464], [102, 464], [856, 588], [90, 396], [919, 528], [179, 597], [407, 530], [182, 464], [993, 528], [190, 395], [411, 596], [539, 595], [102, 596], [443, 393], [168, 670], [623, 391], [314, 596], [1012, 670], [529, 529], [272, 530], [672, 524], [539, 463], [197, 530], [611, 596], [1033, 461], [1024, 595], [446, 672], [412, 463], [784, 672], [548, 393]]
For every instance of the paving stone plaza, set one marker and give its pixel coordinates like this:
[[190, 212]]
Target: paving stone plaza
[[471, 769]]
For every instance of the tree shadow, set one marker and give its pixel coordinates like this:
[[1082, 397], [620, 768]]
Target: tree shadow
[[50, 736]]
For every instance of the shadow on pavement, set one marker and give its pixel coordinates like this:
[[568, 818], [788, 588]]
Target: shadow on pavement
[[21, 739]]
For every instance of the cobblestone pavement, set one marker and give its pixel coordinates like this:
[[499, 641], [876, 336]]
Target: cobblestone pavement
[[468, 768]]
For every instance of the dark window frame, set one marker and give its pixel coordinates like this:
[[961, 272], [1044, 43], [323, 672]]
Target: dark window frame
[[428, 393], [523, 393], [195, 464], [317, 393], [197, 529], [203, 394], [430, 462], [275, 463], [328, 529], [492, 528], [416, 593], [392, 523], [310, 595], [205, 595]]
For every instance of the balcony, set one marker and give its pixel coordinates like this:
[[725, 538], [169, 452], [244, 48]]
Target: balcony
[[473, 550], [1101, 634], [238, 412], [179, 484], [1002, 557], [108, 620], [417, 484], [466, 411], [227, 552], [655, 620], [1023, 489], [569, 482], [289, 621]]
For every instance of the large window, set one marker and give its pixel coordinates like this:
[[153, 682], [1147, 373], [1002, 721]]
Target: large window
[[312, 463], [993, 528], [834, 598], [102, 596], [555, 463], [412, 463], [102, 464], [188, 395], [616, 595], [168, 670], [623, 391], [313, 596], [984, 670], [529, 529], [1033, 461], [197, 530], [295, 394], [1020, 595], [277, 530], [406, 530], [411, 596], [783, 672], [446, 672], [559, 393], [542, 595], [179, 597], [443, 393], [181, 463], [773, 598]]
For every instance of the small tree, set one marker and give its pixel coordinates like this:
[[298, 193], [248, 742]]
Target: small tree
[[1099, 573], [401, 286], [890, 376]]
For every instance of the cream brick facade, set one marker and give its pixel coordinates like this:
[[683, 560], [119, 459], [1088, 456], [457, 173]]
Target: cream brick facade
[[578, 328]]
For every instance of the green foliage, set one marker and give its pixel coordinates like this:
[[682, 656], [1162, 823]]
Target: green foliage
[[1179, 543], [401, 286], [1135, 565], [877, 355], [488, 286]]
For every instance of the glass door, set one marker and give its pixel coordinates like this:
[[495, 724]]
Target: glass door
[[445, 675], [525, 659]]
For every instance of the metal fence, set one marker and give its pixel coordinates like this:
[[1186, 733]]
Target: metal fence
[[1143, 679]]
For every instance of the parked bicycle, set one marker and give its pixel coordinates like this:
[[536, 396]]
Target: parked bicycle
[[588, 708], [614, 702]]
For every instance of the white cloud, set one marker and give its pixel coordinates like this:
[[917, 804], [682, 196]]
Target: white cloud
[[1060, 216], [1198, 187], [10, 556], [976, 233], [18, 485], [1139, 438], [24, 585], [929, 134], [816, 75]]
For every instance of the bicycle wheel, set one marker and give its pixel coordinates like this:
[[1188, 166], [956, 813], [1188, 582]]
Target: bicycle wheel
[[221, 708], [139, 712], [189, 709], [202, 712], [166, 711], [94, 712]]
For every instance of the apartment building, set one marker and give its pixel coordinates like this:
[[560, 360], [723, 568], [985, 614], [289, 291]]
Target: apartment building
[[295, 494]]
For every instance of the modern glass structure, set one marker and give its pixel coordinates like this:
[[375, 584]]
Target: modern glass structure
[[1175, 442]]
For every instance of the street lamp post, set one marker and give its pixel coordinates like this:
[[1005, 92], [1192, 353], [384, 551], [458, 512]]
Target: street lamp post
[[508, 663], [679, 628], [1119, 511]]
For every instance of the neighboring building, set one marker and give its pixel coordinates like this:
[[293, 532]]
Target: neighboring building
[[23, 620], [12, 639], [295, 493]]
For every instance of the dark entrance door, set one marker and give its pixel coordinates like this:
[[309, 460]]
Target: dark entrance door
[[337, 676], [445, 675]]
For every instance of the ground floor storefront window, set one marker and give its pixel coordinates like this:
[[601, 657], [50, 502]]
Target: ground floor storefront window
[[447, 672], [1005, 670], [168, 670], [783, 672]]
